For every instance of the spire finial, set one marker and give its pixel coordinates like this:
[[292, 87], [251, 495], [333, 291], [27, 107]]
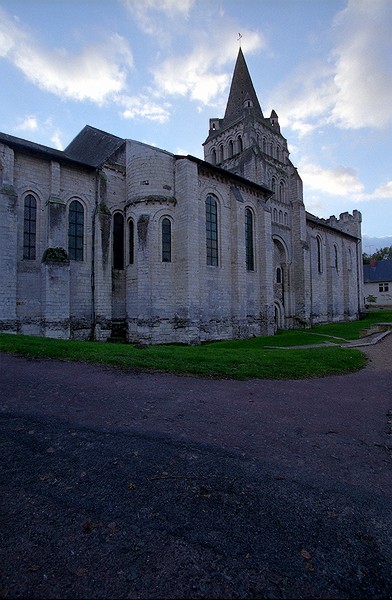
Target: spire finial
[[239, 39]]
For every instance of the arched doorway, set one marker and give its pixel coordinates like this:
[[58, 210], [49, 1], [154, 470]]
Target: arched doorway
[[280, 280], [279, 316]]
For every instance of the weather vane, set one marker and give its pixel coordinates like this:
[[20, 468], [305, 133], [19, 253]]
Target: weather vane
[[239, 39]]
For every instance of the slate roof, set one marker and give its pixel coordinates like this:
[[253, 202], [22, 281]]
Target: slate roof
[[93, 146], [90, 148], [381, 271], [241, 89], [32, 147], [228, 175]]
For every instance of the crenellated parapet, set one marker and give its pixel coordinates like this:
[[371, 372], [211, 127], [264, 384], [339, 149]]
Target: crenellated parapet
[[349, 223]]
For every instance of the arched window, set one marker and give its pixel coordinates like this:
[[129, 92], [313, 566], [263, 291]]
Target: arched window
[[278, 275], [166, 240], [231, 148], [118, 241], [240, 144], [335, 255], [213, 156], [275, 215], [286, 218], [281, 217], [349, 259], [278, 152], [75, 230], [30, 227], [273, 185], [250, 263], [319, 255], [212, 231], [221, 153], [264, 145], [131, 242], [281, 192]]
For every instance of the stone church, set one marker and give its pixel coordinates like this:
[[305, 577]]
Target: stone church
[[113, 238]]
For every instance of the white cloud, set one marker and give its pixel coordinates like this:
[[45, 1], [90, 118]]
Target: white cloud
[[95, 73], [199, 73], [338, 181], [157, 17], [335, 181], [363, 75], [56, 140], [353, 88], [384, 191], [305, 98], [29, 123], [142, 107]]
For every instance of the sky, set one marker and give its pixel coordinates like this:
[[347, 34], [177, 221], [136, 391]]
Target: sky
[[156, 71]]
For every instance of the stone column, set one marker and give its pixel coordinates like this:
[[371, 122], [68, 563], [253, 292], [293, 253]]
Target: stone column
[[8, 234], [55, 294]]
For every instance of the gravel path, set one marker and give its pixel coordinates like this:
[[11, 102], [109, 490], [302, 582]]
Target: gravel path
[[380, 355], [131, 485]]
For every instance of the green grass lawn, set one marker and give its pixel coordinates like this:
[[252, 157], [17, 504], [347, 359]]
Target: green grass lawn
[[241, 359]]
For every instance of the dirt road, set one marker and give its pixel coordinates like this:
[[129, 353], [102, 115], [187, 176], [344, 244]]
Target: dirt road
[[128, 485]]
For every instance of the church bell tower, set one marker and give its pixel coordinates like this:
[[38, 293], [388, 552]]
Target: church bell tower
[[244, 141]]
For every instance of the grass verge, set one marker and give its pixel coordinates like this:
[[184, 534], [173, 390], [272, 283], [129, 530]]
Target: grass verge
[[208, 360], [234, 359]]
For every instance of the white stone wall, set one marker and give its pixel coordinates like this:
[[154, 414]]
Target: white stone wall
[[184, 300], [382, 298]]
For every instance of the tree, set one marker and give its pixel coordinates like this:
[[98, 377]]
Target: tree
[[381, 254]]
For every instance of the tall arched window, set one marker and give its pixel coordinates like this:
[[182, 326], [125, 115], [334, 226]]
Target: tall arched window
[[212, 231], [213, 156], [335, 255], [319, 255], [118, 241], [250, 262], [231, 148], [75, 230], [349, 259], [221, 153], [281, 192], [166, 240], [131, 242], [30, 227], [240, 144], [273, 185]]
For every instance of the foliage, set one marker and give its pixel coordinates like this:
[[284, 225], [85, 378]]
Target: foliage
[[55, 255], [381, 254]]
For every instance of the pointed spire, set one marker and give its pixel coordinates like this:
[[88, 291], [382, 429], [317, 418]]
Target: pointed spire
[[242, 93]]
